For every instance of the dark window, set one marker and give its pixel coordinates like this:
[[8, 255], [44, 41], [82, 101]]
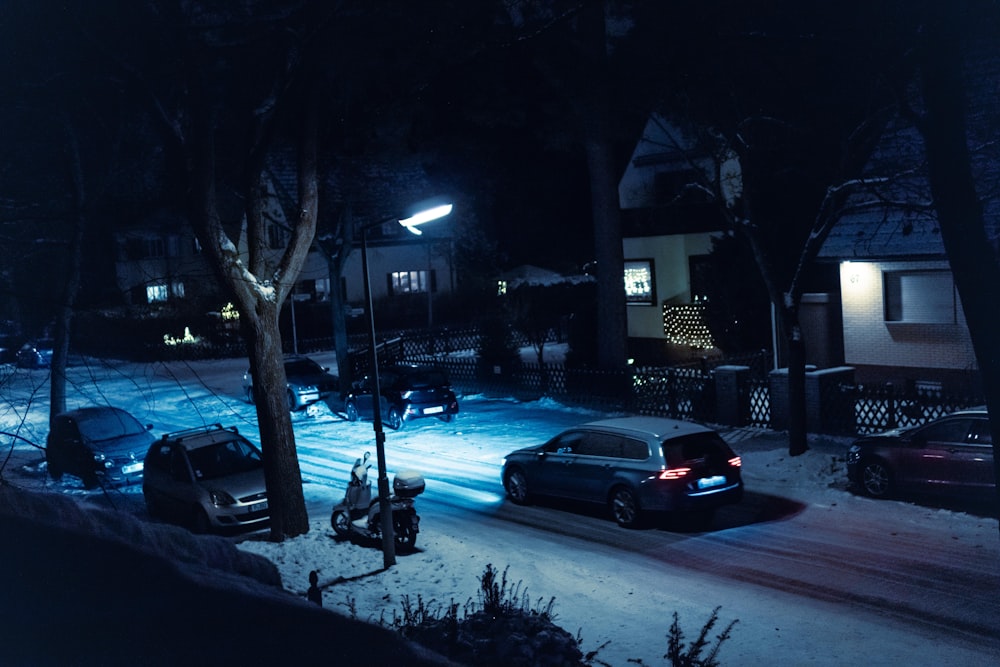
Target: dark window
[[923, 297], [636, 450], [981, 434], [566, 443], [949, 430], [601, 444]]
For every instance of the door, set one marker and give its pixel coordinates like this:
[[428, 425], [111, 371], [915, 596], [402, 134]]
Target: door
[[937, 456], [599, 457], [554, 469]]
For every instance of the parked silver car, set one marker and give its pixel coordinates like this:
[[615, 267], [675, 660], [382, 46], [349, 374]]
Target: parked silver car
[[308, 382], [209, 478], [634, 465]]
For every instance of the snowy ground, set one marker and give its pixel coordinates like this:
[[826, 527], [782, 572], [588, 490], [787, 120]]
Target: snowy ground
[[626, 609]]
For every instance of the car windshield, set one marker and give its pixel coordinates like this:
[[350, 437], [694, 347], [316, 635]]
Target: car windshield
[[222, 459], [708, 447], [302, 367], [107, 425]]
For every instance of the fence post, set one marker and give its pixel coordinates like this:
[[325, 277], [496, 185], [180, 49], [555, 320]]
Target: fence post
[[890, 417], [731, 402]]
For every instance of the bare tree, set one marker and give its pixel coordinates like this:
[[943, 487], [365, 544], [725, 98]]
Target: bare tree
[[971, 250]]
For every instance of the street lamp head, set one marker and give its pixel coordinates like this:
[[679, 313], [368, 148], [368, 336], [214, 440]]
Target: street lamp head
[[414, 221]]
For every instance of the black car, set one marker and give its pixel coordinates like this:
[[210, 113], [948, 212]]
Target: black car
[[35, 354], [308, 382], [408, 391], [951, 456], [100, 445]]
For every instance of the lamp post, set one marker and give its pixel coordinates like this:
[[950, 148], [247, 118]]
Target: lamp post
[[385, 509]]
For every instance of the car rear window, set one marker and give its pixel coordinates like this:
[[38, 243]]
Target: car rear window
[[683, 450], [422, 379]]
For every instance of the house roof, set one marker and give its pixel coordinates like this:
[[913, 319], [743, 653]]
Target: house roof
[[892, 216]]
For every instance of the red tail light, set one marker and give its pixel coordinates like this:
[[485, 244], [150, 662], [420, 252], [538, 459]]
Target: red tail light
[[736, 462], [674, 473]]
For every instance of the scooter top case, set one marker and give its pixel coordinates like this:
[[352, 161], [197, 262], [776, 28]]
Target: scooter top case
[[408, 484]]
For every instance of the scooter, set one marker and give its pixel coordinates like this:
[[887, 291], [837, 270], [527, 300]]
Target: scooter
[[359, 514]]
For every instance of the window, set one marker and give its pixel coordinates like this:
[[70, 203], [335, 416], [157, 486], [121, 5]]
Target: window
[[156, 293], [159, 293], [639, 288], [277, 237], [925, 297], [136, 249], [410, 282]]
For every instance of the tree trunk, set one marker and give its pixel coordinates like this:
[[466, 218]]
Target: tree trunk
[[64, 314], [611, 316], [960, 213]]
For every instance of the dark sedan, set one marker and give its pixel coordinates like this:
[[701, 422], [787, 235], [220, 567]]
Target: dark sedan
[[408, 391], [951, 455]]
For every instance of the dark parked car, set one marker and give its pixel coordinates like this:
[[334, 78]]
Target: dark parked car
[[952, 455], [308, 382], [100, 445], [634, 465], [408, 391], [36, 354], [208, 478]]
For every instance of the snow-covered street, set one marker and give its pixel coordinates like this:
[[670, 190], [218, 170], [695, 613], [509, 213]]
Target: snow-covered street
[[814, 574]]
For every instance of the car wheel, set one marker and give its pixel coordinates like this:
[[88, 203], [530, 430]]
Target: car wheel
[[394, 419], [90, 480], [404, 535], [516, 485], [340, 522], [446, 418], [351, 410], [292, 407], [199, 521], [876, 479], [55, 470], [152, 509], [624, 507], [250, 398]]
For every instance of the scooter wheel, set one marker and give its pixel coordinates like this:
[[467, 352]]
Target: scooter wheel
[[405, 536], [341, 522]]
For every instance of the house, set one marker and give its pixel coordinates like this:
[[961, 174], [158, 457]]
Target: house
[[902, 316], [665, 310]]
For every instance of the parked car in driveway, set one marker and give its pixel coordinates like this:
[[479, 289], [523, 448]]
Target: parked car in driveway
[[308, 382], [408, 391], [100, 445], [634, 465], [952, 455], [208, 478], [35, 354]]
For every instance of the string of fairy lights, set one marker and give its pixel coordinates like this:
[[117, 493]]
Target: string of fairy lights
[[685, 324]]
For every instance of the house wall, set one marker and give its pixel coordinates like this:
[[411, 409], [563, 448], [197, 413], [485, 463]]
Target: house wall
[[671, 276], [904, 351]]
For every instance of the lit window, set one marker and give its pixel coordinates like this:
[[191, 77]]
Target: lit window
[[408, 282], [156, 293], [177, 289], [639, 282], [924, 297]]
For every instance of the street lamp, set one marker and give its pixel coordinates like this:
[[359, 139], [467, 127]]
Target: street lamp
[[412, 224]]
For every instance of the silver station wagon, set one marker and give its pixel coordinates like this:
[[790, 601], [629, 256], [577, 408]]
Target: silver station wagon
[[634, 465]]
